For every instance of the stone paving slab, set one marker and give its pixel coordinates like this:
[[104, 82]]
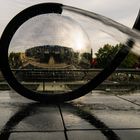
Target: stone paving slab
[[5, 115], [97, 111], [85, 135], [105, 101], [38, 136], [86, 118], [73, 119], [94, 116], [128, 134], [135, 98], [7, 109], [26, 115], [12, 97], [41, 118], [119, 119], [98, 135]]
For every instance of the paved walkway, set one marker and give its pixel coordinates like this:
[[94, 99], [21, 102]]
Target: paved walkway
[[97, 116]]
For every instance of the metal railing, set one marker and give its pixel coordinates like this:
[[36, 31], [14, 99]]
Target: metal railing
[[74, 78], [68, 74]]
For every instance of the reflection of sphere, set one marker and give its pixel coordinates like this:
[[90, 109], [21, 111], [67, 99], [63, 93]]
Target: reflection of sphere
[[51, 54], [50, 41]]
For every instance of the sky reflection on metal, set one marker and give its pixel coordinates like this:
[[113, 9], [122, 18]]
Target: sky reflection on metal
[[50, 29]]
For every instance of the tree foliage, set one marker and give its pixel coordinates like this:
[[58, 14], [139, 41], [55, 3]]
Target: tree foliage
[[15, 60], [107, 53], [85, 60]]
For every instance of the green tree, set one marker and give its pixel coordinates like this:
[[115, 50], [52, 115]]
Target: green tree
[[85, 60], [15, 60], [86, 56], [130, 61], [106, 54]]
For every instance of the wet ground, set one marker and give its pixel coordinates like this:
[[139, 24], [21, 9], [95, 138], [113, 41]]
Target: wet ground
[[97, 116]]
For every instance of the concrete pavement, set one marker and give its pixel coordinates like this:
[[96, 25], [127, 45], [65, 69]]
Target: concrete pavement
[[96, 116]]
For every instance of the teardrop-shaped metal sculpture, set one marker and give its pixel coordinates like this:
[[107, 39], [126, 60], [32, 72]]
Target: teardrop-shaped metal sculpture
[[47, 50]]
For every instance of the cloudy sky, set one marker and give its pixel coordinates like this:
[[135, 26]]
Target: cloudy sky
[[123, 11]]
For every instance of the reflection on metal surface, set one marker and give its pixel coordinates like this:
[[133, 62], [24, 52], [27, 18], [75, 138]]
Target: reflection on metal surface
[[63, 47]]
